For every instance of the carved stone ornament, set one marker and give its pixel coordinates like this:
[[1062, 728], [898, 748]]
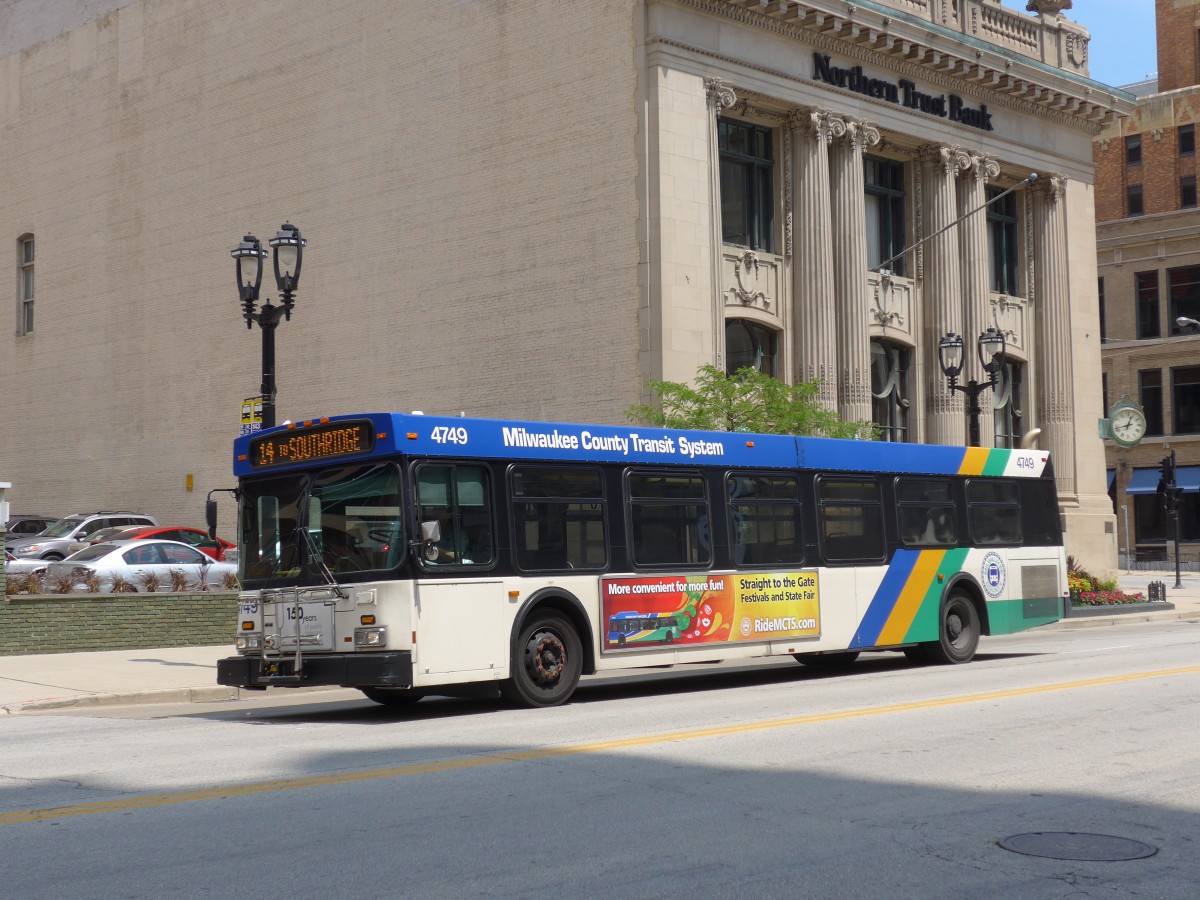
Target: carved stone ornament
[[720, 95], [740, 292], [883, 296], [1047, 7], [1000, 307]]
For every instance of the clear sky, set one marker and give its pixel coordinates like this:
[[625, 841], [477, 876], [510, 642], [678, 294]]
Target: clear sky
[[1122, 50]]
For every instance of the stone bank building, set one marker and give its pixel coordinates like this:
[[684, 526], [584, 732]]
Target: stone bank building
[[529, 209]]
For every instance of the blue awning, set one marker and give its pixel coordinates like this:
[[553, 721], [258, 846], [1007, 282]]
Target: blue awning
[[1188, 478], [1112, 474], [1145, 481]]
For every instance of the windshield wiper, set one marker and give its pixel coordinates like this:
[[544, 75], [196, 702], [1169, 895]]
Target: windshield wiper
[[312, 554]]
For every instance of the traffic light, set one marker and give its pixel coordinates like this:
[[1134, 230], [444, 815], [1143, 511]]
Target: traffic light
[[1167, 489], [1168, 470]]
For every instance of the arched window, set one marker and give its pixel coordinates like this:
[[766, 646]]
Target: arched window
[[1010, 405], [890, 365], [750, 345], [25, 284]]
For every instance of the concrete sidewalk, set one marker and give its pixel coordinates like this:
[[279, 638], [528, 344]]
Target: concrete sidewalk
[[189, 674]]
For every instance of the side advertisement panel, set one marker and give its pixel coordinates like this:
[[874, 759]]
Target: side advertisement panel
[[709, 609]]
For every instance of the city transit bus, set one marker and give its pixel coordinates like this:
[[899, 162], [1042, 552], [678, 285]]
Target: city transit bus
[[405, 555]]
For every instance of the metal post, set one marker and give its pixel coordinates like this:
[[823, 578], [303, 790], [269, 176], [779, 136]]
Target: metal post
[[267, 319], [1128, 545], [973, 390]]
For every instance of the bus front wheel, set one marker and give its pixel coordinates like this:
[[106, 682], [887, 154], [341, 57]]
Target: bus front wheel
[[547, 662], [958, 636]]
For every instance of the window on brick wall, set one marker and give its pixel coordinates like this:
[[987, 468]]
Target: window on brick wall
[[1184, 287], [25, 259], [1187, 140], [1133, 200], [1100, 294], [1147, 305], [1185, 399], [1150, 395], [1104, 394], [1187, 192], [1133, 150], [747, 192]]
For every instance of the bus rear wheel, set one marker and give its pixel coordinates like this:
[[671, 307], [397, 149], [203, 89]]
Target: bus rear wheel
[[958, 636], [547, 661]]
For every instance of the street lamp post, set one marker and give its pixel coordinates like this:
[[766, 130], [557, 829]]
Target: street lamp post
[[991, 357], [288, 247]]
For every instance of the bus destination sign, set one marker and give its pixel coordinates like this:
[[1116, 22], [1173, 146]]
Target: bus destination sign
[[312, 444]]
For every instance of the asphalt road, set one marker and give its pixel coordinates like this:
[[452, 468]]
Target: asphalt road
[[767, 780]]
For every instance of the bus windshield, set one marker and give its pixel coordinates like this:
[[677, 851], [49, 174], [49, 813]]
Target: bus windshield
[[344, 518]]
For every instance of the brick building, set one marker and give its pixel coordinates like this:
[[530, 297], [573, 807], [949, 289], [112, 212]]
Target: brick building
[[530, 209], [1149, 277]]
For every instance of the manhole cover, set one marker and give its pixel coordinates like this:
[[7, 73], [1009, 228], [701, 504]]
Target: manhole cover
[[1074, 845]]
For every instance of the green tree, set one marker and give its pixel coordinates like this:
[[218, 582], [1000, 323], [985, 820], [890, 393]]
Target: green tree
[[748, 400]]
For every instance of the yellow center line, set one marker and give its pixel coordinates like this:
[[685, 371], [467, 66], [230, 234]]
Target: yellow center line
[[451, 765]]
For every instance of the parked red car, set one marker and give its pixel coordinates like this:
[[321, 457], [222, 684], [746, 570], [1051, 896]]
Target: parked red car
[[195, 537]]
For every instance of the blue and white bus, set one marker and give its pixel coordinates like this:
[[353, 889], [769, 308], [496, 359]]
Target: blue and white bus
[[407, 554]]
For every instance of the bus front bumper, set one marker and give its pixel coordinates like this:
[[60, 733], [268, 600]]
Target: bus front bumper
[[342, 669]]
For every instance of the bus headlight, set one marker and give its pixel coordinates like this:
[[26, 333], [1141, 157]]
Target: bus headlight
[[372, 638], [248, 642]]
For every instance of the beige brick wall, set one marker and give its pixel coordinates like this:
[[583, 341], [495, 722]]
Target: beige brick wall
[[458, 259]]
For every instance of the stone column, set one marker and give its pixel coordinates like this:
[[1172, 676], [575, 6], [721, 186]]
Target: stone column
[[976, 282], [812, 262], [850, 268], [1056, 410], [720, 96], [942, 290]]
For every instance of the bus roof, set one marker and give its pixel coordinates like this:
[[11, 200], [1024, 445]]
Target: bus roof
[[345, 438]]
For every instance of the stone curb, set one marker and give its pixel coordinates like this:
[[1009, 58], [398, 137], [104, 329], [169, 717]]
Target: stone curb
[[1121, 609], [214, 694], [1129, 618]]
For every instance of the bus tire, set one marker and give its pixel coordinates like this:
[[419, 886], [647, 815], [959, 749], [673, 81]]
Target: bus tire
[[958, 636], [392, 696], [827, 661], [547, 660]]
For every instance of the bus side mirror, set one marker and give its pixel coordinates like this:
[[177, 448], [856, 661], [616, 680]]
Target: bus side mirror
[[210, 516], [431, 534]]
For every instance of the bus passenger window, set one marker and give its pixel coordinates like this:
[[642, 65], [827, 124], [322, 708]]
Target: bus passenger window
[[851, 520], [994, 512], [669, 518], [457, 498], [558, 513], [925, 512], [764, 520]]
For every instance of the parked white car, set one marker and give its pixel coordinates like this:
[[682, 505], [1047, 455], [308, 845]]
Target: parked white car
[[139, 561]]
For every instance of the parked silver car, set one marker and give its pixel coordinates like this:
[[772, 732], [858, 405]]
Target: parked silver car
[[141, 562], [55, 542]]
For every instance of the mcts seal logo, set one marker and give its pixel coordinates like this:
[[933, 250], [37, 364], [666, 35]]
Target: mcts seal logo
[[992, 574]]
